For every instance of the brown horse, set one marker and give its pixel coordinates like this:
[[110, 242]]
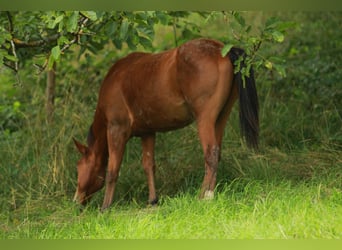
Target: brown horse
[[146, 93]]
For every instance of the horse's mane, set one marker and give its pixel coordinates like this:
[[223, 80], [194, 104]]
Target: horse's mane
[[90, 137]]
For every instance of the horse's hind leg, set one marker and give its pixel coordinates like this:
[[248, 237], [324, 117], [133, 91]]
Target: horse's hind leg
[[211, 152], [224, 115], [148, 142], [211, 132]]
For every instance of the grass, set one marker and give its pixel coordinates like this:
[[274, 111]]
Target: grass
[[242, 210], [272, 194]]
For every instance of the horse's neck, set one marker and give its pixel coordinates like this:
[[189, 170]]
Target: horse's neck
[[97, 141]]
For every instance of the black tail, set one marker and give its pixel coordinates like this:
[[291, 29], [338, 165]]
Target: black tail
[[249, 105]]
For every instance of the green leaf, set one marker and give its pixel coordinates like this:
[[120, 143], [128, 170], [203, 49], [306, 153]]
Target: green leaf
[[61, 25], [53, 24], [146, 30], [117, 43], [16, 106], [162, 17], [111, 28], [239, 18], [248, 29], [131, 43], [4, 36], [278, 36], [145, 42], [56, 52], [226, 49], [11, 58], [90, 14], [187, 34], [271, 22], [280, 69], [51, 61], [124, 29], [72, 22], [268, 65], [257, 64], [62, 40]]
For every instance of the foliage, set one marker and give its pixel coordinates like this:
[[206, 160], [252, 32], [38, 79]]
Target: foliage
[[273, 30], [54, 32], [10, 107], [311, 94]]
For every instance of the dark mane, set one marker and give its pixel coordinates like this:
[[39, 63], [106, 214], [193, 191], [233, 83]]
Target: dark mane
[[90, 137]]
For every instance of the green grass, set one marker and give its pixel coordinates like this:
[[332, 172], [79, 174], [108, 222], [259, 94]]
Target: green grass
[[242, 209], [274, 194]]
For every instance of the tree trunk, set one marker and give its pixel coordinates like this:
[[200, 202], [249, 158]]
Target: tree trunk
[[50, 92]]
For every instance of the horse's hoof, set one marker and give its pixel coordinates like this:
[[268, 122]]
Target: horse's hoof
[[153, 203], [208, 195]]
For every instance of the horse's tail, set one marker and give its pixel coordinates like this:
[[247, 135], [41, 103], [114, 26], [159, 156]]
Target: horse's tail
[[249, 105]]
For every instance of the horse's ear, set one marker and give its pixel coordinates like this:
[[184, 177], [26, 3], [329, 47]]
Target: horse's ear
[[81, 148]]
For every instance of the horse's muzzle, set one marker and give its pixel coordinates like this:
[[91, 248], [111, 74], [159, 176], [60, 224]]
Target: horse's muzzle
[[80, 198]]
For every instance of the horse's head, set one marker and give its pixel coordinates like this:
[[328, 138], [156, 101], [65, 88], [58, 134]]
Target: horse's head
[[90, 174]]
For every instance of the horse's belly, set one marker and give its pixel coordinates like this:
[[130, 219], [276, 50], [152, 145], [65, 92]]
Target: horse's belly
[[158, 118]]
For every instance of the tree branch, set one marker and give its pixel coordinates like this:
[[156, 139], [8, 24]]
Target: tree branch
[[9, 17], [30, 44], [17, 43], [15, 68], [77, 35]]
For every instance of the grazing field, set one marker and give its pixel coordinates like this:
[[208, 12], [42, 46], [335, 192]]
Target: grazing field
[[274, 194], [243, 209], [290, 189]]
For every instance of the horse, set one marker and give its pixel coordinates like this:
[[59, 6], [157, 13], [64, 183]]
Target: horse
[[147, 93]]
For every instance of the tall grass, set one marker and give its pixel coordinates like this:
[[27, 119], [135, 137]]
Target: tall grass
[[278, 192], [243, 209]]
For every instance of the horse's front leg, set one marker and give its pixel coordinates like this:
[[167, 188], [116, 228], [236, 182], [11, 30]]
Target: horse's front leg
[[148, 142], [117, 137]]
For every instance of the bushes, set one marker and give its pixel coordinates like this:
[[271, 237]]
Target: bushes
[[311, 94]]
